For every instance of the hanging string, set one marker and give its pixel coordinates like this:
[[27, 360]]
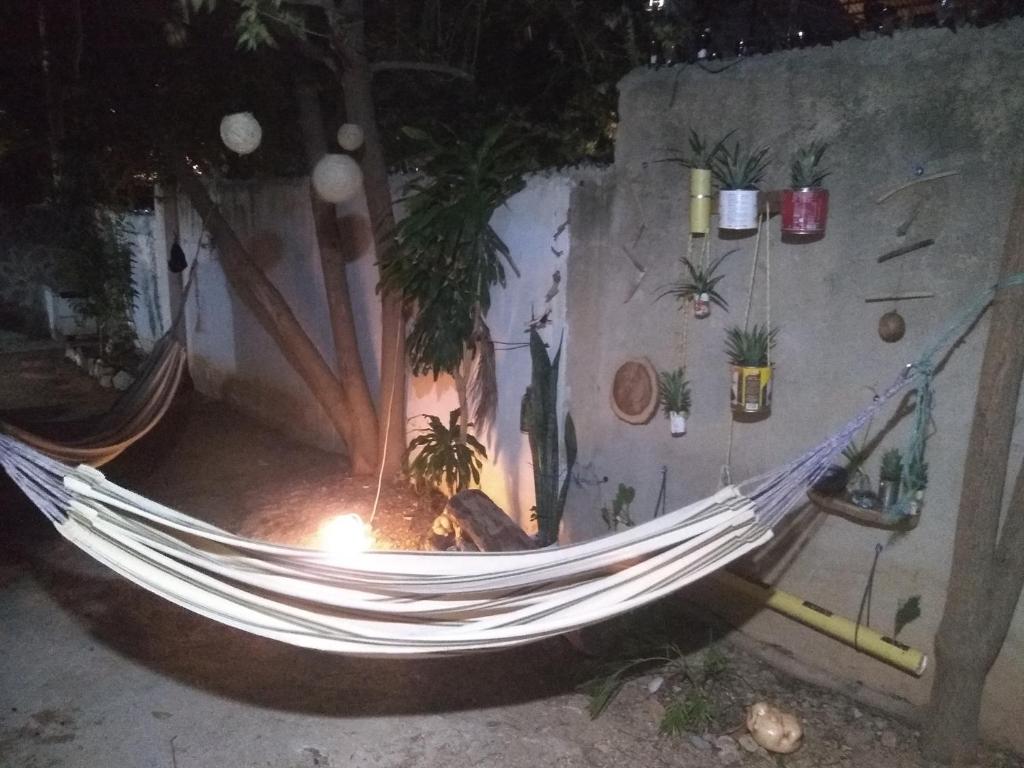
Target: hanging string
[[753, 276], [864, 612], [768, 280]]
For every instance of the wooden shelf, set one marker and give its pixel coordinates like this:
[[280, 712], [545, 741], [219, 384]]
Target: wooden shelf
[[836, 505]]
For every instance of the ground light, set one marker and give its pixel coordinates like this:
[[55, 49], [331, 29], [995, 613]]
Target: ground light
[[345, 534]]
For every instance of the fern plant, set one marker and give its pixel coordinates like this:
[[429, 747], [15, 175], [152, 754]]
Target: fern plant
[[750, 348], [739, 168], [806, 170], [443, 459], [674, 391], [699, 280]]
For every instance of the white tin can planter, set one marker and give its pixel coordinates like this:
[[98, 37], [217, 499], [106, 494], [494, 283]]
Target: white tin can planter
[[737, 209], [677, 423]]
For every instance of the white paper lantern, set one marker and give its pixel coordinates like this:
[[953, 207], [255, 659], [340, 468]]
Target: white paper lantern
[[350, 137], [240, 132], [337, 178]]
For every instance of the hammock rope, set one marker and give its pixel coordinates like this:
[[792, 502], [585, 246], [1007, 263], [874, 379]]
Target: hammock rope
[[412, 603]]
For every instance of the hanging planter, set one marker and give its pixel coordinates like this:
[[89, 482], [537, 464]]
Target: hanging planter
[[674, 399], [241, 132], [738, 173], [805, 205], [751, 369], [700, 201], [699, 286]]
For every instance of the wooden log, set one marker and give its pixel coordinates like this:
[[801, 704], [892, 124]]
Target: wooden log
[[483, 523]]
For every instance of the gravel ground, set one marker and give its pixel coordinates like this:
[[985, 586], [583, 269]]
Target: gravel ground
[[96, 672]]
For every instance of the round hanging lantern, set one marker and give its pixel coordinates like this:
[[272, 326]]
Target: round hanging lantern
[[892, 326], [337, 178], [240, 132], [635, 391], [350, 137]]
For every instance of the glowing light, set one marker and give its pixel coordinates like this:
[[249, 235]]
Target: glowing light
[[345, 534]]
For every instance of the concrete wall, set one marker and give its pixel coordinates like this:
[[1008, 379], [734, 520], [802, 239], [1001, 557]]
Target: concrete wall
[[921, 103], [232, 358]]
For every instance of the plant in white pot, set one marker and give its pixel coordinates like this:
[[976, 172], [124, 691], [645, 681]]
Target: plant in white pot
[[738, 173], [674, 397], [699, 286], [751, 370], [805, 204], [700, 162]]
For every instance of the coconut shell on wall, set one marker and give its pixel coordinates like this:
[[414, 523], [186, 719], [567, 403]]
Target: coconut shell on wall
[[891, 327], [634, 396]]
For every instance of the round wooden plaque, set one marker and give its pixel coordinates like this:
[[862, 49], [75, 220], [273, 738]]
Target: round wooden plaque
[[635, 391]]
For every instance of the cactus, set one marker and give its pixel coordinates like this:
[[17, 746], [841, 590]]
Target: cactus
[[539, 417]]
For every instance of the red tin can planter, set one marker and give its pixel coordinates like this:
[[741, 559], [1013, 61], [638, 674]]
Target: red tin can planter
[[804, 211]]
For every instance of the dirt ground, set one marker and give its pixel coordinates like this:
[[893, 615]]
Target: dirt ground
[[95, 672]]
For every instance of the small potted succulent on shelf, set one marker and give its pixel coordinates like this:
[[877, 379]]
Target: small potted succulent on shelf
[[750, 356], [889, 476], [915, 480], [738, 173], [674, 397], [699, 286], [805, 204], [700, 161]]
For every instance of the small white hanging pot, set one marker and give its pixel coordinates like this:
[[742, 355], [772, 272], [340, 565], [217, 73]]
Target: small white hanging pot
[[677, 423], [241, 132], [337, 178], [737, 209], [701, 306]]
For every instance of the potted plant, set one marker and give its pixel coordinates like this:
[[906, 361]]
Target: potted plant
[[751, 373], [805, 204], [889, 476], [674, 397], [738, 173], [700, 161], [700, 286]]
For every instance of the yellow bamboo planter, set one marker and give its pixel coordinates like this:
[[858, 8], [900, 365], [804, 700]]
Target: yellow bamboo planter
[[751, 389], [700, 201]]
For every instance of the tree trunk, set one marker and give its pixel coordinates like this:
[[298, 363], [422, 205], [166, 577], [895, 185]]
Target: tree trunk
[[987, 568], [276, 317], [332, 263], [349, 41], [485, 524]]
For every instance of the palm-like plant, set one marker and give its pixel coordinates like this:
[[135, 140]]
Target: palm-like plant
[[891, 469], [702, 152], [739, 168], [750, 348], [699, 280], [444, 460], [806, 170], [674, 392]]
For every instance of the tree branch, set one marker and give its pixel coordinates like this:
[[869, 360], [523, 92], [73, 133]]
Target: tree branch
[[421, 66]]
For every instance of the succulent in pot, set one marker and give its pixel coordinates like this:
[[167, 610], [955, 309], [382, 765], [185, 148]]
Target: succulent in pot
[[700, 285], [749, 354], [674, 397], [805, 203], [700, 162], [889, 477], [739, 172]]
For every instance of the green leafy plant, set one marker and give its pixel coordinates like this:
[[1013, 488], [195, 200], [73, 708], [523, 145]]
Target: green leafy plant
[[620, 514], [539, 419], [891, 469], [739, 168], [702, 152], [750, 347], [443, 459], [806, 169], [690, 712], [699, 280], [674, 391]]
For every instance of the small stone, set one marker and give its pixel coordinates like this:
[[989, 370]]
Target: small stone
[[725, 742], [889, 739], [699, 742], [655, 685], [857, 714], [748, 743], [122, 380], [730, 756], [106, 381]]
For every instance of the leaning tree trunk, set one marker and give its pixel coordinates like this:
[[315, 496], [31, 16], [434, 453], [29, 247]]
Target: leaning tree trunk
[[277, 319], [349, 40], [988, 563], [339, 306]]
